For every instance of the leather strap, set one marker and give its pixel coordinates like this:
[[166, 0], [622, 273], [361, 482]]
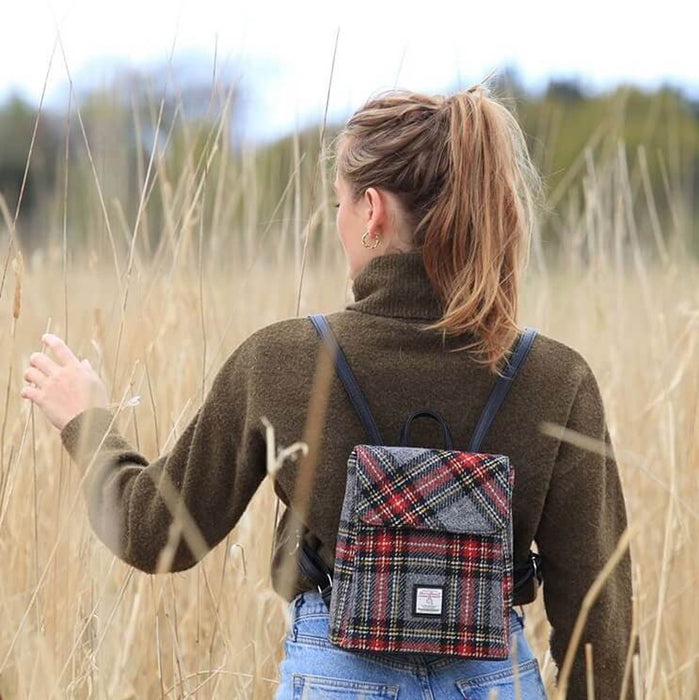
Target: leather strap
[[501, 388], [311, 563], [348, 380]]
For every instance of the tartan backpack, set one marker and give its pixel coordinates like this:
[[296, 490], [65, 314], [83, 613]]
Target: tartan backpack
[[423, 557]]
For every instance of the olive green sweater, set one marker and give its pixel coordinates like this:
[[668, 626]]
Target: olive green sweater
[[568, 499]]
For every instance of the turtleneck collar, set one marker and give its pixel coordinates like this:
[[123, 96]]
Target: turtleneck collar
[[396, 284]]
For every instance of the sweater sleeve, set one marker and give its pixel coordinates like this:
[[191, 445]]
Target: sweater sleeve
[[583, 518], [207, 478]]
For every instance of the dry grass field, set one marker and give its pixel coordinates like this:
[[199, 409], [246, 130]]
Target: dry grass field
[[76, 622]]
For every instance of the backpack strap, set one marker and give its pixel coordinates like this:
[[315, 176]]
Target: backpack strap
[[311, 563], [348, 379], [502, 386]]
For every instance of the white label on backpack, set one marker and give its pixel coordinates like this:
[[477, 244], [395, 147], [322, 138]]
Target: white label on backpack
[[428, 601]]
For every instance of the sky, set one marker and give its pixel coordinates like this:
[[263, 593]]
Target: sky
[[282, 52]]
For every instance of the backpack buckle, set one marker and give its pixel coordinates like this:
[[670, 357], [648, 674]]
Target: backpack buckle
[[535, 566], [329, 584]]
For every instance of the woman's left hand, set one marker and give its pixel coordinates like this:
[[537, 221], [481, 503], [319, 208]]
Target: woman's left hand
[[64, 387]]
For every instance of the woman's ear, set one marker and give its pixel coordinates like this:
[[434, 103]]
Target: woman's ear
[[376, 205]]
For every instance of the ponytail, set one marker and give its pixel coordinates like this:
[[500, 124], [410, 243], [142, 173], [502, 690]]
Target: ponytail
[[460, 167]]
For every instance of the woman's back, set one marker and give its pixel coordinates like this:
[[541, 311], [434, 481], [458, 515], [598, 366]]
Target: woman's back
[[566, 498]]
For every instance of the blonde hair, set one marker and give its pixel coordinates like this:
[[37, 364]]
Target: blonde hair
[[460, 168]]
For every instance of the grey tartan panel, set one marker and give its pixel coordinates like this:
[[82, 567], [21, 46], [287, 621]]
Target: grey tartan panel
[[418, 487], [464, 516]]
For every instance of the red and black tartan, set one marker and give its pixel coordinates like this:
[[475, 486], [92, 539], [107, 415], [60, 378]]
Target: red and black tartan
[[424, 518]]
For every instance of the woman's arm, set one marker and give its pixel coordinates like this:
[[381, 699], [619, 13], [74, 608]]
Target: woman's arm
[[212, 472], [583, 518]]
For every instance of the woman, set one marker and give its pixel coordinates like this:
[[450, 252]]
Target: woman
[[435, 208]]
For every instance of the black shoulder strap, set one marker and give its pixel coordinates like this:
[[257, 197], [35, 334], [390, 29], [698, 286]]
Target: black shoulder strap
[[502, 386], [314, 567], [348, 379], [362, 407]]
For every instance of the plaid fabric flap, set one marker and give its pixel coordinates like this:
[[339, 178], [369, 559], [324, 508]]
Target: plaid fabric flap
[[432, 489]]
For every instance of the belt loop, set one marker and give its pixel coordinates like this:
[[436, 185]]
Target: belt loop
[[293, 628]]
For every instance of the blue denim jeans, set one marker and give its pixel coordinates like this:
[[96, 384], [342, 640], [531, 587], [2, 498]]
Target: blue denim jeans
[[313, 668]]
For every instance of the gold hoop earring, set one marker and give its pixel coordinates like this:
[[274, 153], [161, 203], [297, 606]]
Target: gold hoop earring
[[364, 240]]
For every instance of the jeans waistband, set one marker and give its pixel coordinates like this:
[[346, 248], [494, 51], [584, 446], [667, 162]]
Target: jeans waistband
[[310, 603]]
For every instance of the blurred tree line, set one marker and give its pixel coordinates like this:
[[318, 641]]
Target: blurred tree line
[[98, 168]]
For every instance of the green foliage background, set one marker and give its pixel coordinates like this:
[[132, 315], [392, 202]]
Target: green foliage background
[[253, 192]]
